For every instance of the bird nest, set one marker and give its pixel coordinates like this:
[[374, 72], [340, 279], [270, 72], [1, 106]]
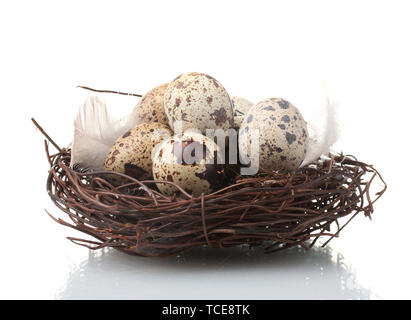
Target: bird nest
[[273, 210]]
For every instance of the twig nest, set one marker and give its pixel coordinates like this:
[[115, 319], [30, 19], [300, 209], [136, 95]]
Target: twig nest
[[282, 134], [189, 160], [199, 101], [150, 108], [131, 154]]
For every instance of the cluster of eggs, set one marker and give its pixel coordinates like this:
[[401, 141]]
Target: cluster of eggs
[[171, 145]]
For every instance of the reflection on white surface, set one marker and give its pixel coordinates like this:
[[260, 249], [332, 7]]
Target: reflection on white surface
[[235, 273]]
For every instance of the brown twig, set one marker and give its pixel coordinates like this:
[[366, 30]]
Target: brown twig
[[110, 91], [46, 135]]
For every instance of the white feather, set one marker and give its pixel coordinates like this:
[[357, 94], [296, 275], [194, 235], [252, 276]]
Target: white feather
[[95, 132], [322, 132]]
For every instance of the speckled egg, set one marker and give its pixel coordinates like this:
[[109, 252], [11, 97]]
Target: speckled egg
[[198, 101], [282, 134], [240, 107], [131, 153], [151, 108], [189, 160]]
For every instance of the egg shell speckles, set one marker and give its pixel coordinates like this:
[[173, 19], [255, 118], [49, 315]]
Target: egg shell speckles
[[282, 132], [151, 106], [197, 177], [131, 153], [240, 107], [198, 101]]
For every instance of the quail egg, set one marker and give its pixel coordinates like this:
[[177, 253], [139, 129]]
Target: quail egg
[[240, 107], [150, 108], [131, 153], [282, 134], [191, 161], [198, 101]]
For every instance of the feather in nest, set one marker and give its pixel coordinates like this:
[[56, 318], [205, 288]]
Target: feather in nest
[[95, 132], [323, 132]]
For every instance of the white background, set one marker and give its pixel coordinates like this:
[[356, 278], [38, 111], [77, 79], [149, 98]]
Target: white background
[[256, 49]]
